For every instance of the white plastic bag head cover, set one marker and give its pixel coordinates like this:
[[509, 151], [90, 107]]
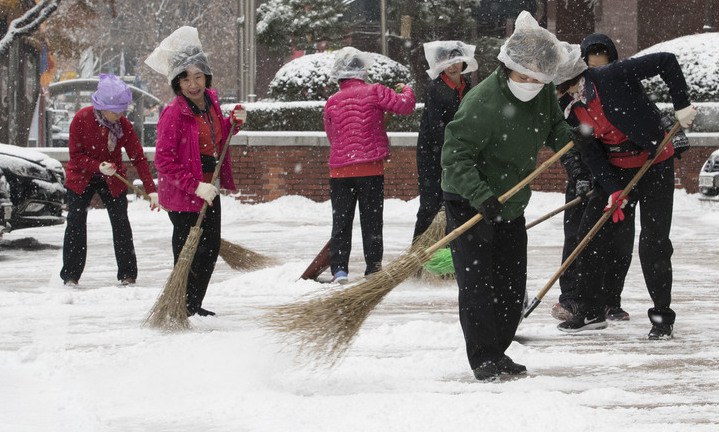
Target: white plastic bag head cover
[[532, 50], [442, 54], [178, 51], [572, 66], [351, 63]]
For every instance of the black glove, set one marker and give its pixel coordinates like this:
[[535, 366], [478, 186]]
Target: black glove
[[680, 142], [582, 187], [583, 137], [491, 209]]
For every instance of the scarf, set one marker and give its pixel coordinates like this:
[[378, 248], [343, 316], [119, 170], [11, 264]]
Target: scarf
[[579, 96], [114, 128]]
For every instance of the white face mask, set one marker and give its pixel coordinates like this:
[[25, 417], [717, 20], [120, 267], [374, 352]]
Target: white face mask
[[524, 91]]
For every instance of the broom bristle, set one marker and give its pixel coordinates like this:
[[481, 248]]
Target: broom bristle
[[241, 258], [170, 310], [324, 326]]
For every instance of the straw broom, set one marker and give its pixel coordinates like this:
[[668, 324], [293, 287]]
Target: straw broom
[[170, 309], [324, 326], [236, 256], [434, 233], [598, 225]]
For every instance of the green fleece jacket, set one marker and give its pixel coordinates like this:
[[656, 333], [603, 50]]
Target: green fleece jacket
[[493, 142]]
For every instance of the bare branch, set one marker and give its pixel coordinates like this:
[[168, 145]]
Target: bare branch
[[27, 23]]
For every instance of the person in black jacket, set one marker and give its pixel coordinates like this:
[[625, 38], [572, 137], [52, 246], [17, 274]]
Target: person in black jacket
[[627, 130], [448, 61], [597, 50]]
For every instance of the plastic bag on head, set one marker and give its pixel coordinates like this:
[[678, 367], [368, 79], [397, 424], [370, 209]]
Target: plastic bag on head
[[572, 66], [442, 54], [178, 51], [532, 50], [351, 63]]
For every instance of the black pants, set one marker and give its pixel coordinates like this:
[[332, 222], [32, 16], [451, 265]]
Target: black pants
[[490, 261], [208, 249], [429, 172], [655, 194], [619, 260], [74, 251], [345, 193]]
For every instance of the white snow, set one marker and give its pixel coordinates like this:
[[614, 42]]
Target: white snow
[[79, 359]]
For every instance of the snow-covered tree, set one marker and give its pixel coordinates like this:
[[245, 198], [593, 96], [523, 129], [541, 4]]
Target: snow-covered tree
[[300, 24], [27, 23], [308, 77]]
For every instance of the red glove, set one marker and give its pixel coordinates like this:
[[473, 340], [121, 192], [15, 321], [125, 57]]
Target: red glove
[[238, 116], [618, 214]]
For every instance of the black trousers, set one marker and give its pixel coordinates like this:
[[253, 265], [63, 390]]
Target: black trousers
[[490, 262], [74, 251], [429, 173], [655, 195], [345, 193], [208, 249], [619, 259]]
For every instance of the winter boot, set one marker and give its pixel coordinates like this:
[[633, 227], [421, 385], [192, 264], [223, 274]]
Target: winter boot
[[508, 367], [662, 320], [487, 371], [582, 321]]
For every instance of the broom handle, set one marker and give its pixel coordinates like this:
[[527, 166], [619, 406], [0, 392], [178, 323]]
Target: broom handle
[[136, 189], [558, 210], [216, 173], [502, 199], [607, 214]]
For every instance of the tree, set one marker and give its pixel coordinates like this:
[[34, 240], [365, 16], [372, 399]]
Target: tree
[[27, 23], [300, 24]]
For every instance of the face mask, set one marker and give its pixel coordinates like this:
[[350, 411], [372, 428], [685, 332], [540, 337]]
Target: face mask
[[524, 91]]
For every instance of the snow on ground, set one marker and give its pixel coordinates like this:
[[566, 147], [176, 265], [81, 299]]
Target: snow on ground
[[79, 359]]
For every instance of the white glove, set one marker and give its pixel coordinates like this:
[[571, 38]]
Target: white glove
[[686, 116], [239, 115], [206, 191], [154, 201], [108, 168]]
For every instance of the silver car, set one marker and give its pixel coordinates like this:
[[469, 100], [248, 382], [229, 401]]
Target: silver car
[[709, 176]]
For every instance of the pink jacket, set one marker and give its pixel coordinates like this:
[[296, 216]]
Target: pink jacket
[[177, 156], [354, 121]]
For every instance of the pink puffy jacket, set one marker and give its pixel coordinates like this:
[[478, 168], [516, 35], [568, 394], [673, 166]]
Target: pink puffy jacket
[[354, 121], [177, 156]]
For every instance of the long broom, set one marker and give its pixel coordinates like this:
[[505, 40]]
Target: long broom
[[602, 220], [324, 326], [170, 309], [235, 255]]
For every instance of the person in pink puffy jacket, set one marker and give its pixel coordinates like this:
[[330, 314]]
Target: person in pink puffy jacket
[[354, 123]]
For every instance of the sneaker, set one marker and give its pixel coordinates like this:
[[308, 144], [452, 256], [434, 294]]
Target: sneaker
[[581, 322], [616, 313], [127, 281], [340, 277], [487, 371], [565, 311], [508, 367], [70, 282], [661, 331]]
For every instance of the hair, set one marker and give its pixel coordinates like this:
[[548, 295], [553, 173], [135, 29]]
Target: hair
[[176, 82], [564, 87], [596, 49]]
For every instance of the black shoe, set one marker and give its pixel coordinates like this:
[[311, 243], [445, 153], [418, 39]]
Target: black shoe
[[616, 313], [661, 331], [508, 367], [581, 322], [127, 281], [204, 312], [487, 371], [70, 282], [564, 311]]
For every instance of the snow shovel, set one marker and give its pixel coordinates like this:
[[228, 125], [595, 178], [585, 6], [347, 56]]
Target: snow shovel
[[324, 326], [319, 264], [602, 220], [236, 256], [170, 309]]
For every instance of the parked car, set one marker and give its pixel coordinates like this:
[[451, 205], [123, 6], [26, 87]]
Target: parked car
[[709, 176], [35, 182], [5, 203], [61, 133]]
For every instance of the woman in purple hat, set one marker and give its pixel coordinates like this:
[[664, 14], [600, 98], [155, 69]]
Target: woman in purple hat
[[97, 135]]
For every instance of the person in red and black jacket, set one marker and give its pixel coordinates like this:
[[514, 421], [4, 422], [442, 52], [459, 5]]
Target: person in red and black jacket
[[627, 130], [448, 61], [98, 134]]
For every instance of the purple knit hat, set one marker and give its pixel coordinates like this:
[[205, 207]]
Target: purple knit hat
[[112, 94]]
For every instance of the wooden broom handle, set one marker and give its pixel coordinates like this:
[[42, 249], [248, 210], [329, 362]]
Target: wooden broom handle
[[558, 210], [602, 220], [502, 199], [136, 189]]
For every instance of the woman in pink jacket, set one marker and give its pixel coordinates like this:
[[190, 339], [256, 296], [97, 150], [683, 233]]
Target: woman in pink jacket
[[354, 122], [191, 134]]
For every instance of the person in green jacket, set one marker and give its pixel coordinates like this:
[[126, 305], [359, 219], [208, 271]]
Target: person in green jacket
[[489, 147]]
